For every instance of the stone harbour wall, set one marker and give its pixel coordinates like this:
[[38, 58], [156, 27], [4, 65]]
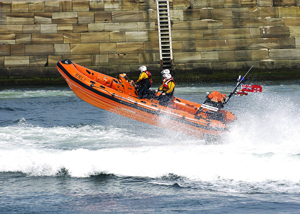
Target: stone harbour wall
[[116, 36]]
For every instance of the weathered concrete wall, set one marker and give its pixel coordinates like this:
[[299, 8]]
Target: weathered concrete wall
[[120, 35]]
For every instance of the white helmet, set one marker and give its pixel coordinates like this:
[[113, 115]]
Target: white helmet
[[143, 68], [165, 71], [168, 76]]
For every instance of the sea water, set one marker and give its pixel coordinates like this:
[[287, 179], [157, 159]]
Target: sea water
[[59, 154]]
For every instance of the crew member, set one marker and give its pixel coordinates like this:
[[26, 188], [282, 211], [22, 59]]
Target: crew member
[[167, 88], [144, 81]]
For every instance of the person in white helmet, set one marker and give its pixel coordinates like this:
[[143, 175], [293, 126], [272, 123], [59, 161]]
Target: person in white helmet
[[144, 81], [167, 88], [165, 71]]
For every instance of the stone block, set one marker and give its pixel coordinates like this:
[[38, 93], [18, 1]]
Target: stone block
[[211, 24], [153, 36], [188, 46], [62, 49], [2, 18], [85, 60], [37, 61], [240, 13], [182, 35], [297, 41], [106, 48], [43, 18], [100, 59], [136, 36], [8, 39], [251, 23], [265, 3], [251, 55], [128, 16], [133, 26], [130, 47], [52, 60], [187, 57], [16, 61], [177, 46], [226, 56], [235, 65], [47, 38], [39, 49], [4, 50], [64, 28], [292, 21], [121, 59], [209, 56], [222, 13], [31, 29], [103, 16], [81, 6], [295, 31], [274, 32], [285, 12], [5, 7], [212, 45], [52, 6], [36, 7], [94, 27], [176, 15], [152, 46], [285, 54], [181, 4], [80, 28], [206, 13], [248, 3], [95, 37], [48, 28], [239, 33], [82, 49], [23, 38], [285, 3], [147, 58], [96, 6], [18, 50], [265, 12], [20, 18], [112, 6], [211, 34], [3, 73], [191, 14], [287, 43], [71, 37], [189, 25], [86, 17], [65, 6], [10, 29], [117, 36], [19, 7], [65, 18]]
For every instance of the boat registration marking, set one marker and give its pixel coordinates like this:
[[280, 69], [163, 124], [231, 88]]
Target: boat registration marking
[[80, 77]]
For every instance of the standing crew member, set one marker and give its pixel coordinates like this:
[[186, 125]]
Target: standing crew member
[[145, 82], [167, 87]]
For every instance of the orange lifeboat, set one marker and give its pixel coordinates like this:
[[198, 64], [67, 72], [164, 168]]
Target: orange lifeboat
[[119, 95]]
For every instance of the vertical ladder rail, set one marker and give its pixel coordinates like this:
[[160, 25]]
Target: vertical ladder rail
[[164, 34]]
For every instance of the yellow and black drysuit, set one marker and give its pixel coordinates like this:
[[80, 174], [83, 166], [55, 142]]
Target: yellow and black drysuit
[[145, 83], [167, 88]]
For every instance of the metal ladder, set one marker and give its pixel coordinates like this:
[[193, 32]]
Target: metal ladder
[[164, 34]]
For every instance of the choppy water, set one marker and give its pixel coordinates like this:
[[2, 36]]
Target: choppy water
[[59, 154]]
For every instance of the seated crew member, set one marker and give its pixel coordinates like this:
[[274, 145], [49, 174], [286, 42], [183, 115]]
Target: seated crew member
[[144, 81], [167, 87]]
